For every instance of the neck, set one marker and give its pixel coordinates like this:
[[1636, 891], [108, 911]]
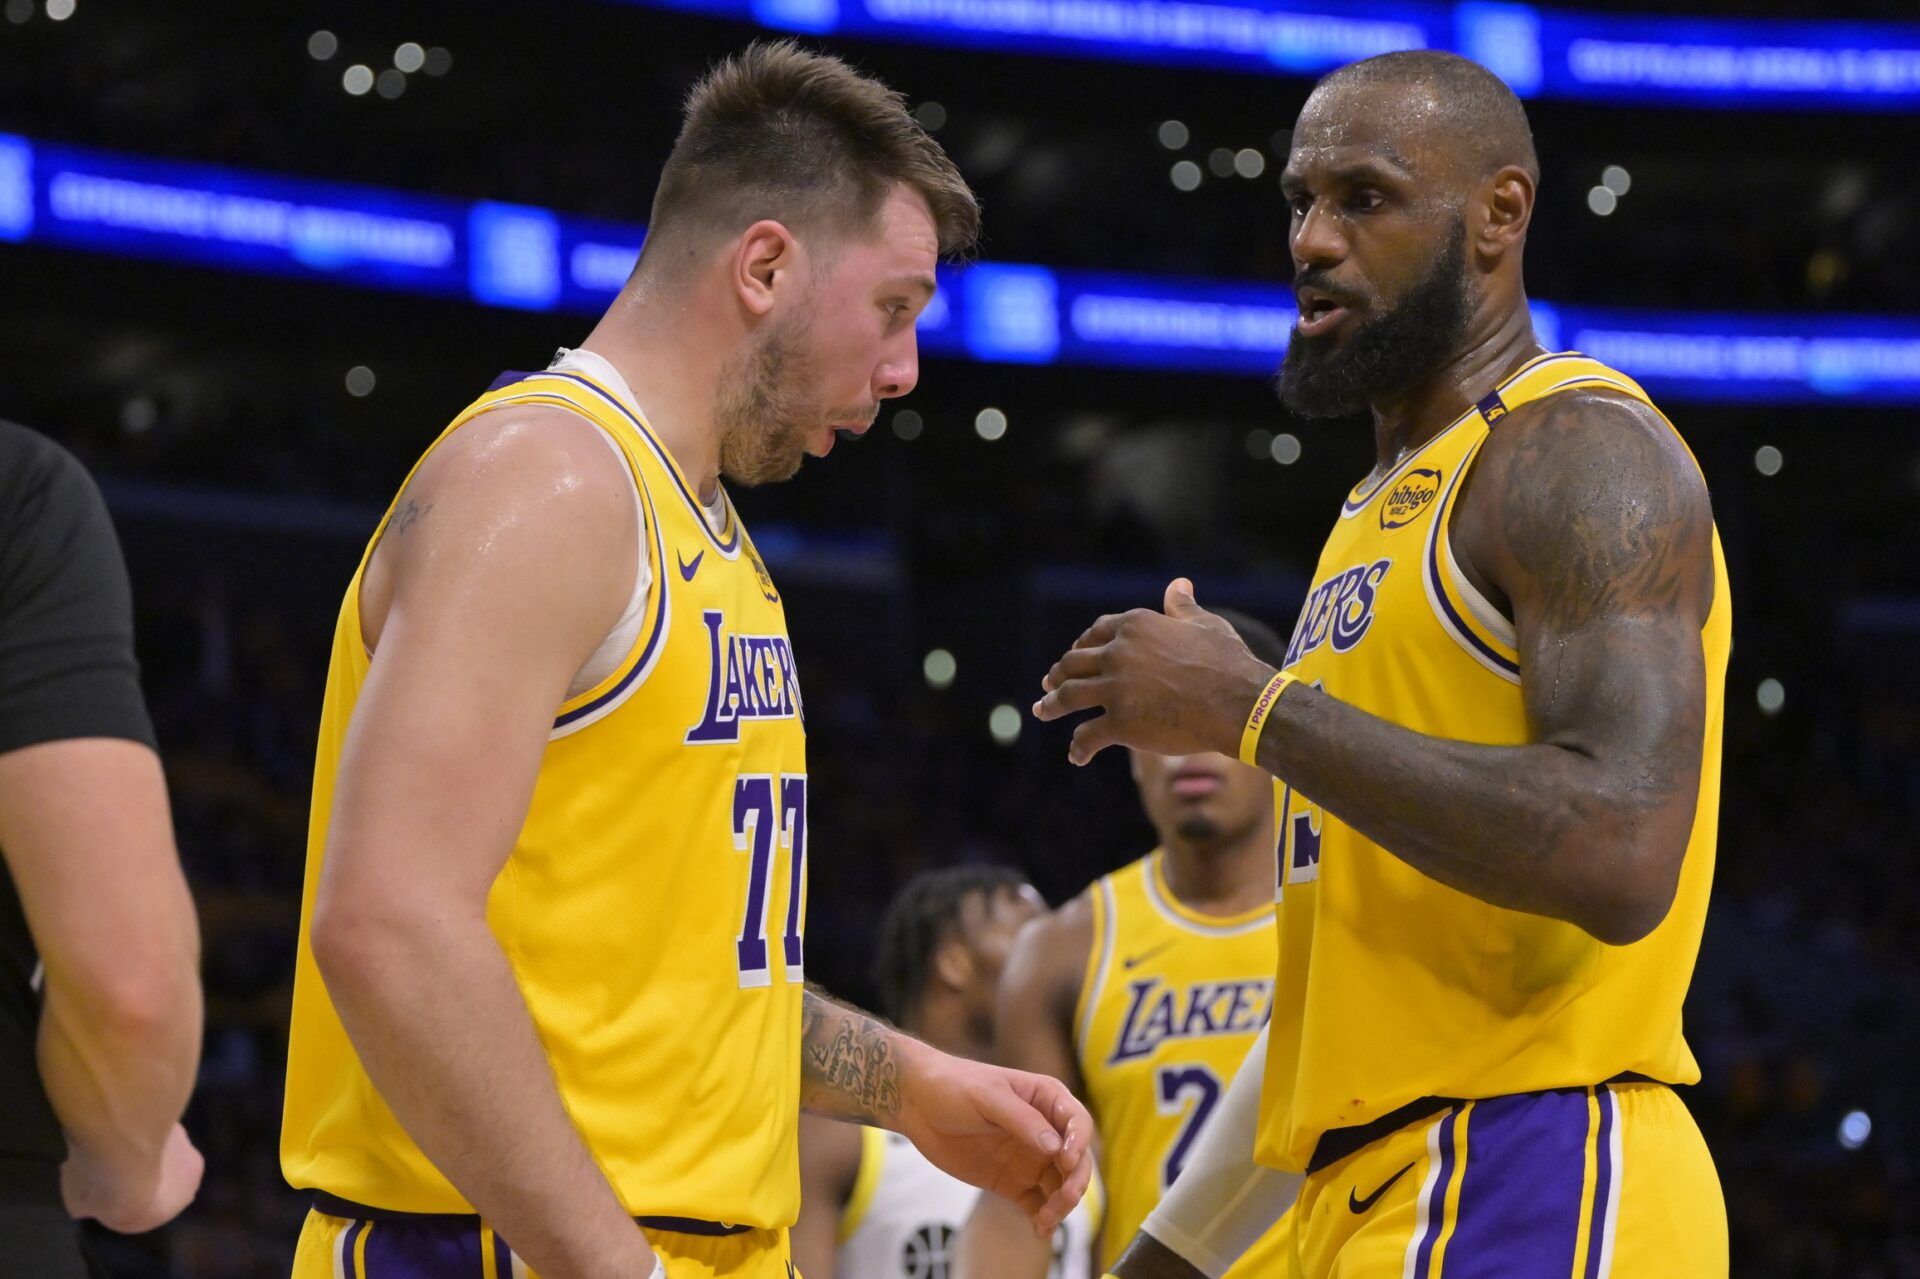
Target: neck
[[671, 360], [1226, 876], [1499, 341], [941, 1019]]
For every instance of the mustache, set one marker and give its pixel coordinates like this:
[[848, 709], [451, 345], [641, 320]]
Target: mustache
[[1316, 279]]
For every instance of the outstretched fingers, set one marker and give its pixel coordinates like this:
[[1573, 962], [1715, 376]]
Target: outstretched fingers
[[1075, 663], [1072, 696], [1090, 738]]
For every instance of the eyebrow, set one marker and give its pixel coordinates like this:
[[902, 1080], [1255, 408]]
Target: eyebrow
[[925, 283], [1359, 171]]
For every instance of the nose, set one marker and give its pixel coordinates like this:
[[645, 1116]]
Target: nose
[[1317, 240], [899, 372]]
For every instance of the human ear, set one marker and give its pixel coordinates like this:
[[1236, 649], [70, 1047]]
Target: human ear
[[765, 252]]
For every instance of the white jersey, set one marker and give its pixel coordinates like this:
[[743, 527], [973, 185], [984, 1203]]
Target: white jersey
[[904, 1215]]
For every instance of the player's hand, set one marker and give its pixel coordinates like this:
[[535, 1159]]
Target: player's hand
[[133, 1205], [1177, 682], [1019, 1135]]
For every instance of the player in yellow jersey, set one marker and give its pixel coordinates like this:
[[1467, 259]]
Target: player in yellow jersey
[[1496, 735], [871, 1206], [549, 1014], [1145, 992]]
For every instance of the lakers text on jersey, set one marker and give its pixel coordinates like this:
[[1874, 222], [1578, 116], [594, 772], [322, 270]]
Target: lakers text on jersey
[[1395, 993], [652, 907], [1170, 1004]]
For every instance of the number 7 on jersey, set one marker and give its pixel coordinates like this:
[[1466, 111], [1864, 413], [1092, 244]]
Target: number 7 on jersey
[[765, 806]]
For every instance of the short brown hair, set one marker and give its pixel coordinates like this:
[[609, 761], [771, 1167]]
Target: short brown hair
[[778, 132]]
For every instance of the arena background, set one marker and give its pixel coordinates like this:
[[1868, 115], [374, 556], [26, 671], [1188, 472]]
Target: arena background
[[249, 355]]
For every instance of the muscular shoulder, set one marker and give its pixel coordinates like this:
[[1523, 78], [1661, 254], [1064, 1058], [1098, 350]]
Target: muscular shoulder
[[530, 455], [524, 502], [1589, 498], [1050, 955]]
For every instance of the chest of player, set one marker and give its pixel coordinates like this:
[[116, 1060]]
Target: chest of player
[[1151, 1019], [1392, 625], [711, 677]]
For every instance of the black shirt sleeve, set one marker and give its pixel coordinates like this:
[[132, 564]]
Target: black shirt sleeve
[[66, 613]]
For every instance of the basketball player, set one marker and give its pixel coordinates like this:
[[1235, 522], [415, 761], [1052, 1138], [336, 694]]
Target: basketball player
[[550, 977], [1145, 992], [871, 1206], [1497, 739]]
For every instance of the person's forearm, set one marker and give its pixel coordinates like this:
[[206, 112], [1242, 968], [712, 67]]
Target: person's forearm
[[1148, 1258], [852, 1064], [436, 1017], [1538, 828], [119, 1064], [996, 1242]]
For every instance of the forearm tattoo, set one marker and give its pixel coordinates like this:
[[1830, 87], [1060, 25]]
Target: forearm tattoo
[[849, 1061]]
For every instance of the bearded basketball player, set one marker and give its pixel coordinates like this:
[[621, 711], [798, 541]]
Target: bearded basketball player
[[1496, 741]]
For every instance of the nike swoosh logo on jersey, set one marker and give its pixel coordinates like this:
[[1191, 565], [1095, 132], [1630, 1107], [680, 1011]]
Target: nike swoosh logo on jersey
[[1362, 1205], [1134, 961], [688, 570]]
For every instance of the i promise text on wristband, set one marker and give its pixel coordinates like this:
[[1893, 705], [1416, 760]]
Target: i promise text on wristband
[[1257, 718]]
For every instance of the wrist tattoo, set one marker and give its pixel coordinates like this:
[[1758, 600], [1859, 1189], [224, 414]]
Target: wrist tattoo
[[848, 1059]]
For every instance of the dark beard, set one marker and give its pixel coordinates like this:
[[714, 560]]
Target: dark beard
[[1386, 354]]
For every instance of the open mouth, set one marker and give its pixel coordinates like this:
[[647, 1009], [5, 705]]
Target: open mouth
[[1319, 312]]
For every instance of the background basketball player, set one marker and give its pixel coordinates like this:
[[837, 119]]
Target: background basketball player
[[1500, 754], [1145, 991], [551, 966], [871, 1206]]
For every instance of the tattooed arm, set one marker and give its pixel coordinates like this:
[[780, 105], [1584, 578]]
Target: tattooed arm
[[1587, 520], [850, 1062], [1019, 1135]]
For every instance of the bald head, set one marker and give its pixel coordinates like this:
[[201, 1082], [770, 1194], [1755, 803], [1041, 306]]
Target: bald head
[[1410, 186], [1436, 109]]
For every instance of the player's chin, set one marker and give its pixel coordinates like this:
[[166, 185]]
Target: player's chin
[[1198, 820]]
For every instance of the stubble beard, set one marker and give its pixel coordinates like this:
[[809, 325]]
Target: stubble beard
[[763, 406]]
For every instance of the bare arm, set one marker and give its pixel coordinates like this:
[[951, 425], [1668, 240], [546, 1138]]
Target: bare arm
[[1019, 1135], [518, 558], [829, 1166], [1588, 518], [89, 842], [1033, 1030]]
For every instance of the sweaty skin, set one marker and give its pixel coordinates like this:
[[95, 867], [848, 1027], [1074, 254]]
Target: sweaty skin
[[509, 558], [1584, 519]]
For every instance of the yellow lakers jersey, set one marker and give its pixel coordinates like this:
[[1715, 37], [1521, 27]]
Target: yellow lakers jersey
[[1171, 1002], [1391, 986], [653, 904]]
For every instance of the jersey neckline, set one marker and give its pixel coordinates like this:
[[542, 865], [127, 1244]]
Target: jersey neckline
[[1161, 896], [1357, 501]]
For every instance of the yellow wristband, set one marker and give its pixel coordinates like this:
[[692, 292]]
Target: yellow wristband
[[1257, 719]]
